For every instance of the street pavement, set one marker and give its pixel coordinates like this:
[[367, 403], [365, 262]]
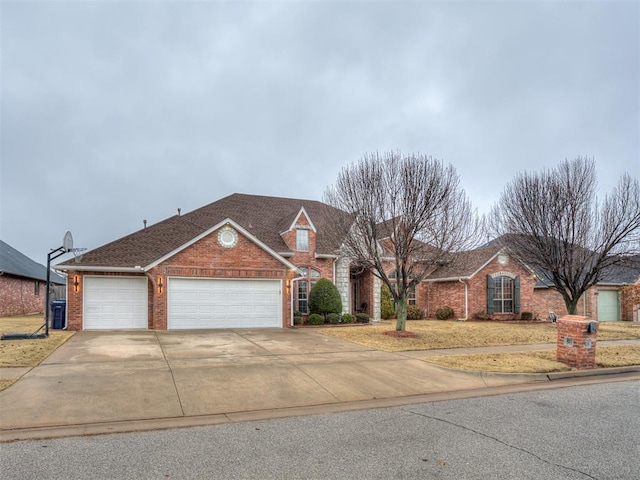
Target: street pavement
[[104, 382], [577, 432]]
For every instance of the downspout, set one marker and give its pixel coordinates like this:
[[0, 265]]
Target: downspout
[[291, 298], [466, 299]]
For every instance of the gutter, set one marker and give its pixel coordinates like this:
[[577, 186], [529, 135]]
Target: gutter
[[87, 268], [466, 299]]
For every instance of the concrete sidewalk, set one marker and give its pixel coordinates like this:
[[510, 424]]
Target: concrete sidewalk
[[101, 382]]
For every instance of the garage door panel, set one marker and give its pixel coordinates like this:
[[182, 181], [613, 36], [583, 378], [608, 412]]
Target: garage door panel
[[608, 306], [218, 303], [115, 303]]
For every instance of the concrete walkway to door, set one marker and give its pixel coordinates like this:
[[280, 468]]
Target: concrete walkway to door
[[103, 381]]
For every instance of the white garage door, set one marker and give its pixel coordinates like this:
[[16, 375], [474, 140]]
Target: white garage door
[[115, 302], [208, 303]]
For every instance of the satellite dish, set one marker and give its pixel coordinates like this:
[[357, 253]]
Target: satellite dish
[[67, 243]]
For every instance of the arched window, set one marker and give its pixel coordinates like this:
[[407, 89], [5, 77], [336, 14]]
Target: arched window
[[304, 286], [503, 294]]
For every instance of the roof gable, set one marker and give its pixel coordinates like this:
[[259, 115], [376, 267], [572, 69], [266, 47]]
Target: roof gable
[[208, 232], [294, 223]]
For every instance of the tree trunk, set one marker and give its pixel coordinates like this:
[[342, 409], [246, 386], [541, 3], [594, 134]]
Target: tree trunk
[[572, 305], [401, 313]]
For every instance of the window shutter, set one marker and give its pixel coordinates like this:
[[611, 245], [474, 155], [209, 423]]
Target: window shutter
[[516, 295], [490, 293]]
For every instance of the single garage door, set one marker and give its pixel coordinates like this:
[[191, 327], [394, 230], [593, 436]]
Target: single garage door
[[115, 302], [208, 303], [608, 306]]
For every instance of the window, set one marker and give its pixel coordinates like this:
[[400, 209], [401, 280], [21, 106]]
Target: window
[[411, 296], [302, 240], [304, 286], [303, 296], [503, 294]]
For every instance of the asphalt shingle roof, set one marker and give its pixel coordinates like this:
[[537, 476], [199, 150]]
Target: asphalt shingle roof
[[264, 217], [465, 264], [16, 263]]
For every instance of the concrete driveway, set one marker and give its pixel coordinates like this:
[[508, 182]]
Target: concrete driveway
[[101, 377]]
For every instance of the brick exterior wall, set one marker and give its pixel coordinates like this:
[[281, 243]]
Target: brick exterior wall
[[577, 353], [18, 295], [432, 295], [546, 299], [208, 259], [549, 299]]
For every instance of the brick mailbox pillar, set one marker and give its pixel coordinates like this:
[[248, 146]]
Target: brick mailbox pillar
[[576, 345]]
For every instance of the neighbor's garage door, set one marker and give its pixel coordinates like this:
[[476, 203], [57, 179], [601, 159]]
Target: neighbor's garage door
[[608, 306], [115, 302], [208, 303]]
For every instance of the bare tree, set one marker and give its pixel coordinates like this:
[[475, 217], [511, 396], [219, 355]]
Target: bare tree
[[409, 214], [553, 221]]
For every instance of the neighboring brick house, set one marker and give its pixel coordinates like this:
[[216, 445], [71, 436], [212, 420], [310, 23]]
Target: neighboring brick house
[[23, 283], [244, 261], [485, 282], [605, 302]]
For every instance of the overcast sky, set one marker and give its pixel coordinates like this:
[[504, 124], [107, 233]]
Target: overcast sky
[[117, 111]]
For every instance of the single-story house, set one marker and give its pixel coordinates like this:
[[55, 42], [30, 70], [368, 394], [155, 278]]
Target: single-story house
[[244, 261], [23, 283], [606, 301], [486, 282]]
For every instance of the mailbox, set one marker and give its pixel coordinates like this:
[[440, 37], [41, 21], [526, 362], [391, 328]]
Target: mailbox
[[592, 327]]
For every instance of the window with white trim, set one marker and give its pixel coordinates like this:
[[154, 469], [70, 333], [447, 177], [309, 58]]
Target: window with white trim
[[304, 287], [302, 240]]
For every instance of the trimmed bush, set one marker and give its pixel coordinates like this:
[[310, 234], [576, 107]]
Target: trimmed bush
[[315, 319], [414, 312], [443, 313], [526, 316], [324, 298], [347, 318], [297, 320], [332, 318], [386, 303], [362, 318]]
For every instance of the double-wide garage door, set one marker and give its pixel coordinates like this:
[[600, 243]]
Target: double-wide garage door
[[216, 303]]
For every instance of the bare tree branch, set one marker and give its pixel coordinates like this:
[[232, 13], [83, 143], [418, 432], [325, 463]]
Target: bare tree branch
[[553, 221], [409, 214]]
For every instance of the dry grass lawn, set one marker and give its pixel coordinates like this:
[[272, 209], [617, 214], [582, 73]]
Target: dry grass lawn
[[27, 353], [435, 334], [540, 361]]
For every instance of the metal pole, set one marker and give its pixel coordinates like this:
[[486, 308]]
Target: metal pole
[[47, 295]]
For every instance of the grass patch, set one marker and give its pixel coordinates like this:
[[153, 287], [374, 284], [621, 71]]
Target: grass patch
[[7, 382], [28, 353], [434, 334], [539, 361]]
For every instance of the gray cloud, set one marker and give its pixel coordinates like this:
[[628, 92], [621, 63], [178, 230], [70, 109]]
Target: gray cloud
[[115, 112]]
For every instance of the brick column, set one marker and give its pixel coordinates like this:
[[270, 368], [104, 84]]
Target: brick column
[[576, 344]]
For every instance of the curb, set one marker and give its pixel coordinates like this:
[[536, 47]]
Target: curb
[[596, 372]]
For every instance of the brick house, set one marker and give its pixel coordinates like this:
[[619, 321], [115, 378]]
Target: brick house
[[605, 302], [23, 283], [486, 282], [244, 261]]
